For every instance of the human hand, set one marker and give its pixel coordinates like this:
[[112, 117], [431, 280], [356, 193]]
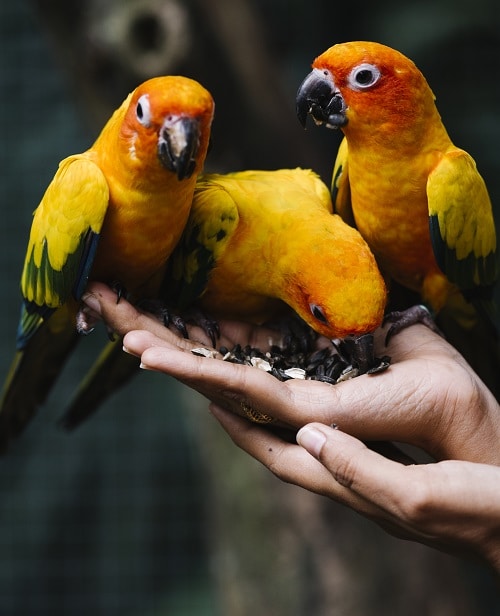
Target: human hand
[[429, 397], [453, 506]]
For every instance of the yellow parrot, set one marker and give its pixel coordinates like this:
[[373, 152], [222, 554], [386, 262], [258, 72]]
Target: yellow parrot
[[257, 240], [257, 246], [416, 198], [113, 213]]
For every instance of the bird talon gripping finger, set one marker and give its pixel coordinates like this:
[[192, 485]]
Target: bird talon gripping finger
[[401, 319], [119, 289]]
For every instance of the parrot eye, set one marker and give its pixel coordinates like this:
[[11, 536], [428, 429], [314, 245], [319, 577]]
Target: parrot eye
[[363, 76], [318, 313], [143, 111]]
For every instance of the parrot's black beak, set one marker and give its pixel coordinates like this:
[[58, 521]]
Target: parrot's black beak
[[319, 97], [178, 145]]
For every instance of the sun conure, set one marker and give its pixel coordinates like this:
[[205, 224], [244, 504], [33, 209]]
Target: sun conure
[[416, 198], [113, 213]]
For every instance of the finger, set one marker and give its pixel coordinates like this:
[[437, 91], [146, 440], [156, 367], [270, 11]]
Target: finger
[[289, 462], [244, 389], [137, 341], [234, 384], [173, 358], [121, 316], [441, 504], [295, 465], [293, 403], [389, 486], [411, 342], [336, 450]]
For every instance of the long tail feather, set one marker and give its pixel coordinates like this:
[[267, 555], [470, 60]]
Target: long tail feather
[[34, 372], [112, 370]]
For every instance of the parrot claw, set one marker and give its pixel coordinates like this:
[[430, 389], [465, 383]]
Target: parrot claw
[[169, 318], [178, 322], [162, 312], [209, 326], [401, 319], [85, 321], [119, 289]]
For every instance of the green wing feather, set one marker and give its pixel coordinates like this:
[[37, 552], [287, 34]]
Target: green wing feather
[[63, 241], [461, 222], [213, 219]]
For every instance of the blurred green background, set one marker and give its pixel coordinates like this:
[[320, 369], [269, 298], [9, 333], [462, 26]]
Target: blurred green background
[[147, 509]]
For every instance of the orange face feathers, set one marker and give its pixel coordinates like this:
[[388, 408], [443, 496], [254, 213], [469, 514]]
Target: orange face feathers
[[161, 96], [336, 287], [368, 81], [165, 122]]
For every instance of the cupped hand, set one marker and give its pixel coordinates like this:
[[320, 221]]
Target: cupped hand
[[429, 397]]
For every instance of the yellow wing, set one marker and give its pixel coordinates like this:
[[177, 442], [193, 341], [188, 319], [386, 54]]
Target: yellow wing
[[461, 222], [63, 241], [213, 219]]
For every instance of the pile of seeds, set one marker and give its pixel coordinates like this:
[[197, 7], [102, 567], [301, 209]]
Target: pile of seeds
[[344, 359]]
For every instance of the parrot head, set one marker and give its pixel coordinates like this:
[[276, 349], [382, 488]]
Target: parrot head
[[364, 80], [170, 116], [336, 286]]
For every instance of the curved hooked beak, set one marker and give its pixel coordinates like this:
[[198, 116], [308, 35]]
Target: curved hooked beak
[[319, 97], [178, 145]]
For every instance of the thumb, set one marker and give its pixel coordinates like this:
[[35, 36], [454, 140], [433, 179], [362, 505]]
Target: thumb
[[349, 461]]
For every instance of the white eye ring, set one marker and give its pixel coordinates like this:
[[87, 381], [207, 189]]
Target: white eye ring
[[143, 111], [363, 76]]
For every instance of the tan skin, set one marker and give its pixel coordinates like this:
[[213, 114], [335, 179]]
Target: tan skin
[[429, 398]]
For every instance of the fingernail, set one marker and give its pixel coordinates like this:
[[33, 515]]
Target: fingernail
[[144, 366], [311, 440], [92, 302]]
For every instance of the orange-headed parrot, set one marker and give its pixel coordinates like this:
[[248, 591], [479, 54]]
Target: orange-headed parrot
[[113, 213], [257, 240], [416, 198], [256, 244]]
